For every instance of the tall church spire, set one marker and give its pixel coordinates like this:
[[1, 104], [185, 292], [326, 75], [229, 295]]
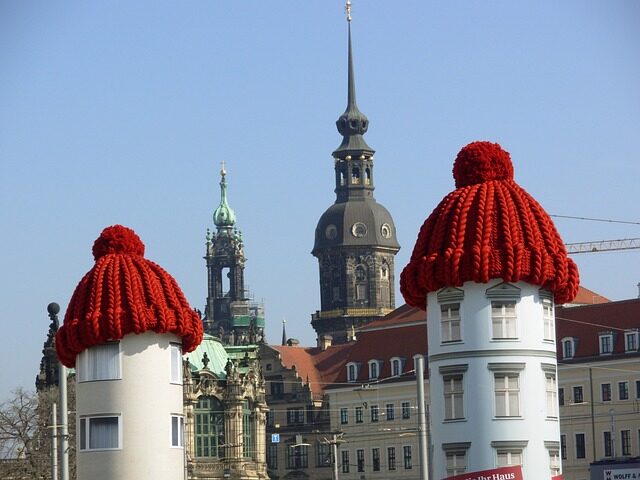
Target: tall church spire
[[223, 216]]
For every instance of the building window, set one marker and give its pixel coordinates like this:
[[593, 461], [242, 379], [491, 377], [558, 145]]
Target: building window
[[605, 392], [406, 410], [580, 445], [391, 411], [606, 344], [359, 414], [608, 446], [100, 433], [552, 401], [631, 341], [406, 453], [506, 458], [397, 364], [548, 316], [453, 397], [391, 458], [450, 322], [269, 417], [503, 320], [277, 389], [625, 442], [272, 456], [375, 414], [509, 453], [507, 394], [100, 362], [577, 394], [568, 349], [345, 461], [177, 431], [561, 396], [374, 369], [623, 390], [638, 389], [456, 457], [360, 459], [295, 416], [248, 431], [563, 447], [344, 416], [375, 457], [297, 457], [324, 455], [209, 427], [176, 363], [352, 372]]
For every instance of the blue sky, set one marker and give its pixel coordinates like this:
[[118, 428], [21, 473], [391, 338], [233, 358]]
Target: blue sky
[[121, 112]]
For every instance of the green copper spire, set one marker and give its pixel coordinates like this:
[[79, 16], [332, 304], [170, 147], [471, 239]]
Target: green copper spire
[[224, 216], [352, 124]]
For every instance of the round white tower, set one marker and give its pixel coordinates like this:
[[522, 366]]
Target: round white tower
[[124, 332], [489, 263]]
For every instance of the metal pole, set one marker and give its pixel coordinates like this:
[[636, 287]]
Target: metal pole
[[334, 444], [422, 419], [64, 420], [54, 441]]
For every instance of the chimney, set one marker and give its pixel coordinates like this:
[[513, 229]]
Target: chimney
[[324, 341]]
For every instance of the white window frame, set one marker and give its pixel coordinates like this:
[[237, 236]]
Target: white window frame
[[504, 326], [175, 363], [548, 316], [509, 448], [84, 429], [352, 372], [457, 452], [509, 374], [628, 335], [554, 457], [399, 362], [573, 393], [374, 369], [177, 421], [605, 343], [344, 416], [551, 390], [568, 347], [450, 323], [602, 399], [390, 411], [575, 444], [629, 443], [620, 383], [87, 367]]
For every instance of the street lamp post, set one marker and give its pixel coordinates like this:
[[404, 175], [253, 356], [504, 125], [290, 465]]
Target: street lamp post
[[53, 309]]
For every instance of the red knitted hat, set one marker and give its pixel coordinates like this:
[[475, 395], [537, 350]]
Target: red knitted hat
[[487, 228], [124, 293]]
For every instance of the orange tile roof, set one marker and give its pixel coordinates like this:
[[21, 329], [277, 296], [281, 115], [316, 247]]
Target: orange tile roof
[[588, 297]]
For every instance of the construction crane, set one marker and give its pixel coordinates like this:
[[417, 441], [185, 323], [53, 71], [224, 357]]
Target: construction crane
[[603, 246]]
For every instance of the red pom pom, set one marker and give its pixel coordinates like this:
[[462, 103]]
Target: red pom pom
[[481, 162], [117, 239]]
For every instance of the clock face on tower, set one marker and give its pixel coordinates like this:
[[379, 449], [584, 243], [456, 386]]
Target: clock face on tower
[[359, 230]]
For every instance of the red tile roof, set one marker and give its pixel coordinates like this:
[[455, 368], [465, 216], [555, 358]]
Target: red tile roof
[[320, 367], [403, 315], [588, 297], [584, 323]]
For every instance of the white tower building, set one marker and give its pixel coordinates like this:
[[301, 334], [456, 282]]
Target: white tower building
[[489, 263], [124, 331]]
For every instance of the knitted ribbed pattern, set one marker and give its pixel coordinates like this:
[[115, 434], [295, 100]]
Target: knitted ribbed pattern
[[124, 293], [487, 228]]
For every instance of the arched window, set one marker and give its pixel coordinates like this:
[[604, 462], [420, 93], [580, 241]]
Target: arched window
[[362, 287], [248, 431], [209, 427], [352, 372], [367, 176], [355, 176], [341, 178]]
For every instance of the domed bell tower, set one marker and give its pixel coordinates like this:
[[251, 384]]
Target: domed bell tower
[[355, 239]]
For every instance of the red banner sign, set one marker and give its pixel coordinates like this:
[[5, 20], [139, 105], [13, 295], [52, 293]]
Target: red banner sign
[[503, 473], [557, 477]]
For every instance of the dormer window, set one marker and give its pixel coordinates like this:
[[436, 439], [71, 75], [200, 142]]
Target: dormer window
[[397, 365], [606, 343], [631, 341], [374, 369], [352, 372], [568, 347]]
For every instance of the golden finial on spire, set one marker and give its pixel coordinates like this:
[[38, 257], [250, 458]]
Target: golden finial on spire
[[223, 172], [347, 9]]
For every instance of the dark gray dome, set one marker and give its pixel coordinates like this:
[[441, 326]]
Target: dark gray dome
[[356, 223]]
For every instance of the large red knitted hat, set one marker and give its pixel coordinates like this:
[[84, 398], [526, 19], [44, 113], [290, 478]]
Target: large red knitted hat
[[487, 228], [124, 293]]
